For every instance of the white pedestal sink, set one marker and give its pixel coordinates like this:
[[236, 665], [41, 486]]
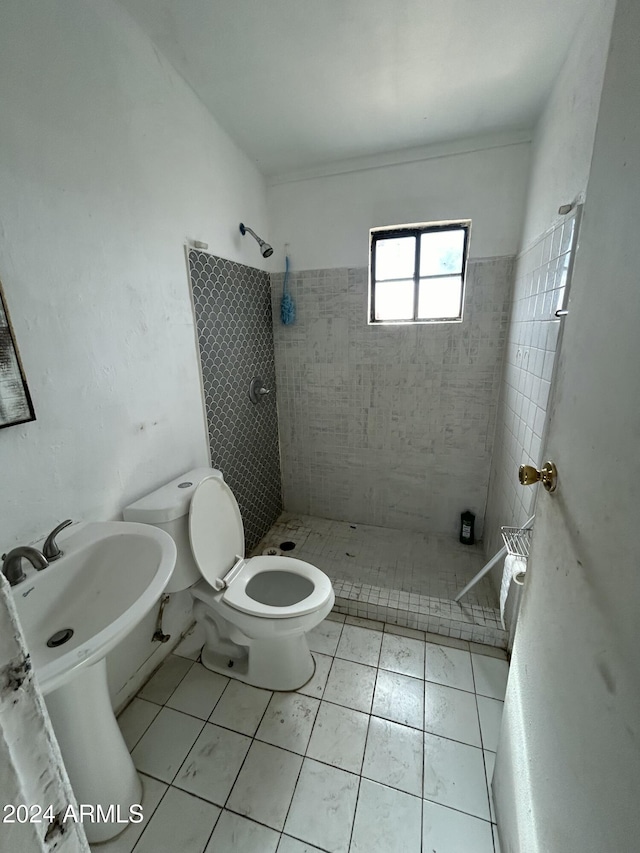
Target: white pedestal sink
[[110, 576]]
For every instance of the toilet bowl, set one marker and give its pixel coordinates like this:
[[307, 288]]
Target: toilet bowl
[[255, 612]]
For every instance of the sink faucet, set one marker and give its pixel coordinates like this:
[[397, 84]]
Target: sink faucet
[[12, 565], [50, 548]]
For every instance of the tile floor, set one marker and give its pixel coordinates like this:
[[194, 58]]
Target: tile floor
[[405, 560], [390, 747], [396, 576]]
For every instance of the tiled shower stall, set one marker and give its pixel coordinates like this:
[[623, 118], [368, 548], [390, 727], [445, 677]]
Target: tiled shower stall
[[389, 430], [388, 425], [383, 435]]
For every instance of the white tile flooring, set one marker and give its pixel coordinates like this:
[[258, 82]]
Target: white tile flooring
[[389, 747]]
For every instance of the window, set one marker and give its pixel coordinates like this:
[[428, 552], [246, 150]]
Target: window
[[417, 272]]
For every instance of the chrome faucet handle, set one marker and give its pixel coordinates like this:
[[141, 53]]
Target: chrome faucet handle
[[257, 390], [50, 548]]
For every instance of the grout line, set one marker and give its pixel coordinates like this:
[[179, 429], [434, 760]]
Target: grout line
[[133, 746], [153, 811], [484, 766], [450, 687], [244, 761], [459, 811], [366, 741], [488, 783], [175, 775], [295, 787], [355, 808], [151, 816], [304, 757], [156, 671], [253, 740], [215, 823]]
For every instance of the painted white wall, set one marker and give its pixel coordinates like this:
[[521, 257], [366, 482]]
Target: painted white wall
[[568, 762], [108, 163], [563, 138], [560, 162], [326, 219]]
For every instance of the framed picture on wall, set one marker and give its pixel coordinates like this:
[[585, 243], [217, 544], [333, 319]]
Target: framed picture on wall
[[15, 401]]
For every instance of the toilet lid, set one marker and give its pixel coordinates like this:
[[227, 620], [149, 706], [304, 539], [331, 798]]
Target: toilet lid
[[215, 529]]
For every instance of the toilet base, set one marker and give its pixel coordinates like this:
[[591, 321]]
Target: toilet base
[[273, 664]]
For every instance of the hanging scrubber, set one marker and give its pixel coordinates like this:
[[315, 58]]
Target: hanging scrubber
[[287, 306]]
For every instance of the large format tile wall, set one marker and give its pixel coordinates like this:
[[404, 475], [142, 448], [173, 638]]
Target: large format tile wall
[[235, 334], [541, 279], [388, 425]]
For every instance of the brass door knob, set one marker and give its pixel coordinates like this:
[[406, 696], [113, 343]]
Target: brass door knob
[[547, 475]]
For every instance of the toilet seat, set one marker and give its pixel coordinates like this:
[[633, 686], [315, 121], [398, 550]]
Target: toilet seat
[[237, 596], [216, 534]]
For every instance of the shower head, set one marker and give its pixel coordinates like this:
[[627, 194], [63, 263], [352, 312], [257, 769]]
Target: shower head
[[265, 248]]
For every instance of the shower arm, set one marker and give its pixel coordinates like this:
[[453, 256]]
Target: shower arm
[[243, 230], [265, 249]]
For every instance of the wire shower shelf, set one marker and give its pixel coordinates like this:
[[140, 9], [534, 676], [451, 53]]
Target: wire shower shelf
[[517, 540], [516, 543]]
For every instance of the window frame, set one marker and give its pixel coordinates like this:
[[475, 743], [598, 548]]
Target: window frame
[[417, 229]]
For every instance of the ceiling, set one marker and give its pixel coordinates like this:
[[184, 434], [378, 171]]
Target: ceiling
[[299, 83]]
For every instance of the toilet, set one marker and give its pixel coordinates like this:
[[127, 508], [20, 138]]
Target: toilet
[[255, 612]]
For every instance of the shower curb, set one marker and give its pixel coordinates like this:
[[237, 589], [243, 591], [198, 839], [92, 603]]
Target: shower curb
[[436, 615]]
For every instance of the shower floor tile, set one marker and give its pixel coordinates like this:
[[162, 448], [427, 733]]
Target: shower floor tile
[[394, 576], [402, 560], [346, 768]]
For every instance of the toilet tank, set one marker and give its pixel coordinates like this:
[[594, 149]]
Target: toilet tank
[[168, 509]]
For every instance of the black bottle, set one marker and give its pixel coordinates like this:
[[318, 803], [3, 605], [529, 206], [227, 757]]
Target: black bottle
[[467, 522]]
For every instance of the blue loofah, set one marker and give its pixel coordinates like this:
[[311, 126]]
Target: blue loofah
[[287, 306]]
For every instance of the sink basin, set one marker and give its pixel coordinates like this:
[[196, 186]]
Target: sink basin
[[110, 576]]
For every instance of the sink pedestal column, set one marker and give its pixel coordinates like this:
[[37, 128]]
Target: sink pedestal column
[[96, 757]]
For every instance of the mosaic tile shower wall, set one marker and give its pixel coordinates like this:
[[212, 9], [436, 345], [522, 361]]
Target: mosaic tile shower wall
[[235, 334], [541, 279], [387, 425]]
